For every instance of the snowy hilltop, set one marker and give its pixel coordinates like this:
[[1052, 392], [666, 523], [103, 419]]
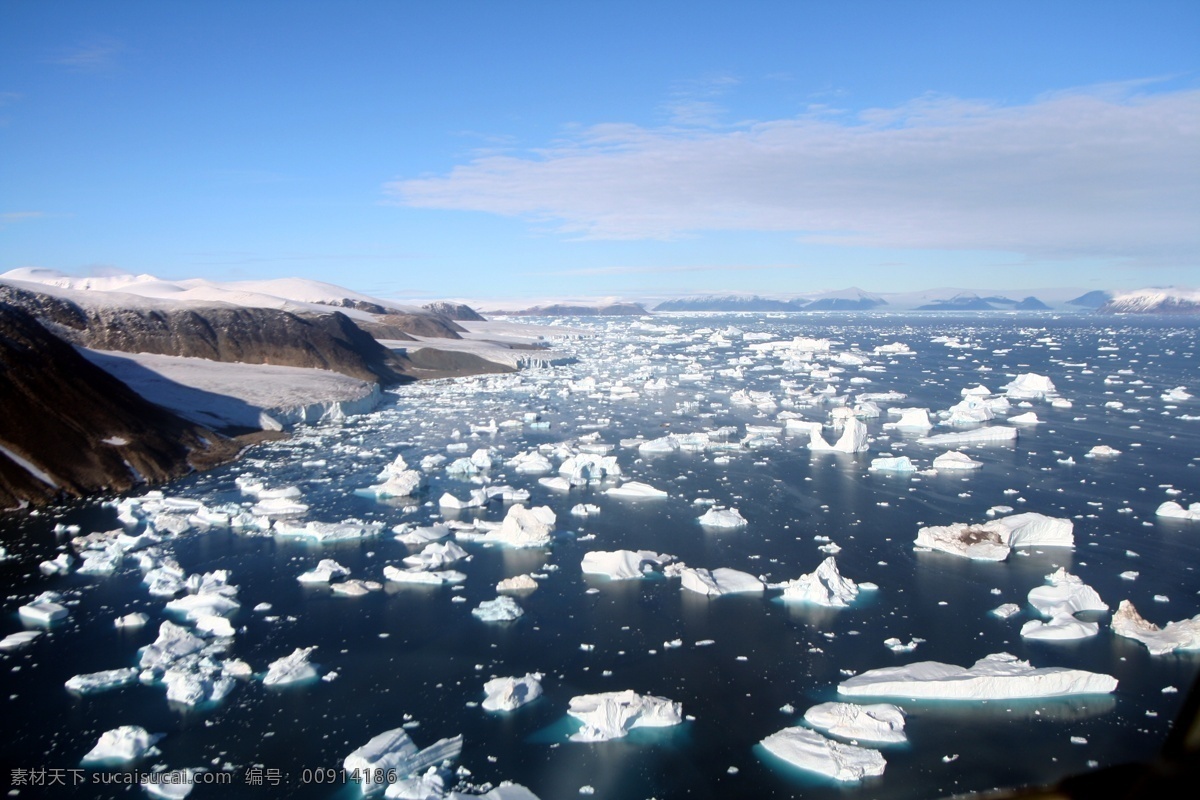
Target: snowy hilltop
[[1154, 301]]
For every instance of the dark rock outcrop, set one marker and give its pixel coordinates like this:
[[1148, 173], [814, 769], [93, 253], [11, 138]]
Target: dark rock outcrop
[[460, 312], [80, 429], [220, 333], [404, 326]]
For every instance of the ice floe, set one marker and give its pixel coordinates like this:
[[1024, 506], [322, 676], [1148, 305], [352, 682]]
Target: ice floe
[[999, 676], [292, 668], [995, 539], [502, 609], [720, 581], [611, 715], [1174, 510], [392, 756], [509, 694], [812, 752], [878, 722], [723, 518], [1181, 635], [984, 435], [620, 565], [122, 745], [635, 490]]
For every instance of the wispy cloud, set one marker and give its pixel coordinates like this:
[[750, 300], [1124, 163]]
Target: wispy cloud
[[8, 218], [1110, 173], [99, 53], [658, 269]]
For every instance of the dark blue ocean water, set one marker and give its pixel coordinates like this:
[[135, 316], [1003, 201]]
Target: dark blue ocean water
[[413, 654]]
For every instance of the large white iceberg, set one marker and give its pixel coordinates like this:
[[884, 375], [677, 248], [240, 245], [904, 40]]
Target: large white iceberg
[[43, 609], [954, 460], [723, 518], [1065, 594], [878, 722], [396, 480], [911, 419], [1029, 386], [324, 572], [995, 539], [892, 464], [584, 468], [122, 745], [990, 433], [824, 586], [392, 755], [94, 682], [852, 440], [1174, 510], [508, 694], [435, 556], [720, 581], [611, 715], [292, 668], [813, 752], [621, 565], [524, 527], [635, 490], [1181, 635], [1000, 676]]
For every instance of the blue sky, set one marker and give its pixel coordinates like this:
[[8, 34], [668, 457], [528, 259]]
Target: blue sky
[[605, 149]]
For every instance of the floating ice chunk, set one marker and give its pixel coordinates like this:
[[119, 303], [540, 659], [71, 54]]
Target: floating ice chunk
[[1176, 395], [992, 541], [122, 745], [813, 752], [1181, 635], [1102, 451], [1173, 510], [60, 565], [477, 499], [1006, 610], [1029, 386], [1028, 418], [195, 606], [509, 694], [293, 668], [1065, 595], [852, 440], [990, 433], [328, 532], [620, 565], [278, 507], [556, 484], [393, 755], [421, 535], [667, 444], [635, 490], [43, 609], [1000, 676], [584, 468], [517, 583], [173, 642], [502, 609], [954, 460], [611, 715], [723, 518], [720, 581], [911, 419], [436, 555], [427, 577], [584, 510], [324, 572], [524, 527], [969, 410], [175, 784], [396, 480], [897, 646], [824, 586], [890, 464], [1059, 628], [879, 722], [15, 641], [530, 463], [94, 682]]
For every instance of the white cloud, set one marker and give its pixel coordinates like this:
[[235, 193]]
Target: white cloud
[[1084, 173]]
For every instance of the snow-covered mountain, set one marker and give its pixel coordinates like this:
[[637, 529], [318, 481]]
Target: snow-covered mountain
[[1171, 300]]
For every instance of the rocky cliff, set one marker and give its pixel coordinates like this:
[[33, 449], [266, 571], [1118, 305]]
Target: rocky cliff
[[218, 332], [69, 428]]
